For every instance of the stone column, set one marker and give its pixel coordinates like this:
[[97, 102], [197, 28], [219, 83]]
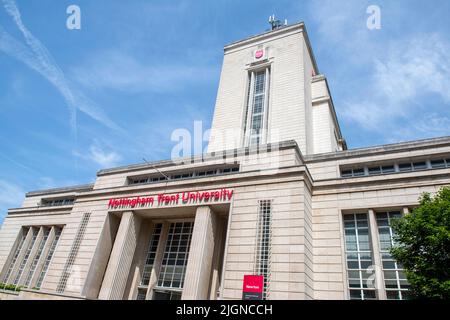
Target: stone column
[[198, 269], [116, 274], [381, 293], [134, 277], [217, 259]]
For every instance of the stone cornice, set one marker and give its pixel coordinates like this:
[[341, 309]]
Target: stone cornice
[[383, 149]]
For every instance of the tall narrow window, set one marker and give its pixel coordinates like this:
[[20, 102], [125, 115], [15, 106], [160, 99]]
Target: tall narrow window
[[359, 256], [48, 258], [27, 256], [173, 266], [263, 245], [257, 105], [149, 261], [16, 254], [394, 278], [37, 256]]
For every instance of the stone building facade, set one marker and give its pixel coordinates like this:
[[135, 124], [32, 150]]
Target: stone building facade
[[278, 195]]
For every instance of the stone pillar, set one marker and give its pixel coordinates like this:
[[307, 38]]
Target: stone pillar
[[217, 259], [99, 263], [198, 269], [116, 275], [134, 277], [379, 285]]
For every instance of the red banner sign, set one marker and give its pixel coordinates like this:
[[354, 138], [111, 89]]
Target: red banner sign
[[253, 287]]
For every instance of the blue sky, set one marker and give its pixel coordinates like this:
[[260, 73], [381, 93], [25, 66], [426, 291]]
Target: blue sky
[[75, 101]]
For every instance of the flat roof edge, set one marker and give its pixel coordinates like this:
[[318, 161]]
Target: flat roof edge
[[399, 146], [260, 36], [82, 187], [202, 157]]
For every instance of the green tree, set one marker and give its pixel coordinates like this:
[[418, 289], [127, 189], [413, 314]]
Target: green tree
[[422, 244]]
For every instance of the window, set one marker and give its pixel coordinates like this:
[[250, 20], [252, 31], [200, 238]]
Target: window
[[374, 170], [48, 258], [142, 293], [388, 169], [395, 281], [437, 164], [37, 256], [420, 165], [173, 266], [405, 167], [264, 243], [357, 172], [149, 261], [257, 104], [57, 202], [25, 263], [347, 173], [184, 175], [26, 256], [166, 295], [16, 254], [358, 256]]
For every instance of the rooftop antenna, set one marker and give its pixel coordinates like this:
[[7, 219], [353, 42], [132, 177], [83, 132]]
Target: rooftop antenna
[[276, 23]]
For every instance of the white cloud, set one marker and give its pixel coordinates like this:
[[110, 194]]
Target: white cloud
[[119, 71], [413, 68], [343, 26], [434, 124], [11, 196], [36, 56], [101, 157], [389, 80], [398, 92]]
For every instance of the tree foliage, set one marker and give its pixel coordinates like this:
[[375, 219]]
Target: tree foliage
[[422, 244]]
